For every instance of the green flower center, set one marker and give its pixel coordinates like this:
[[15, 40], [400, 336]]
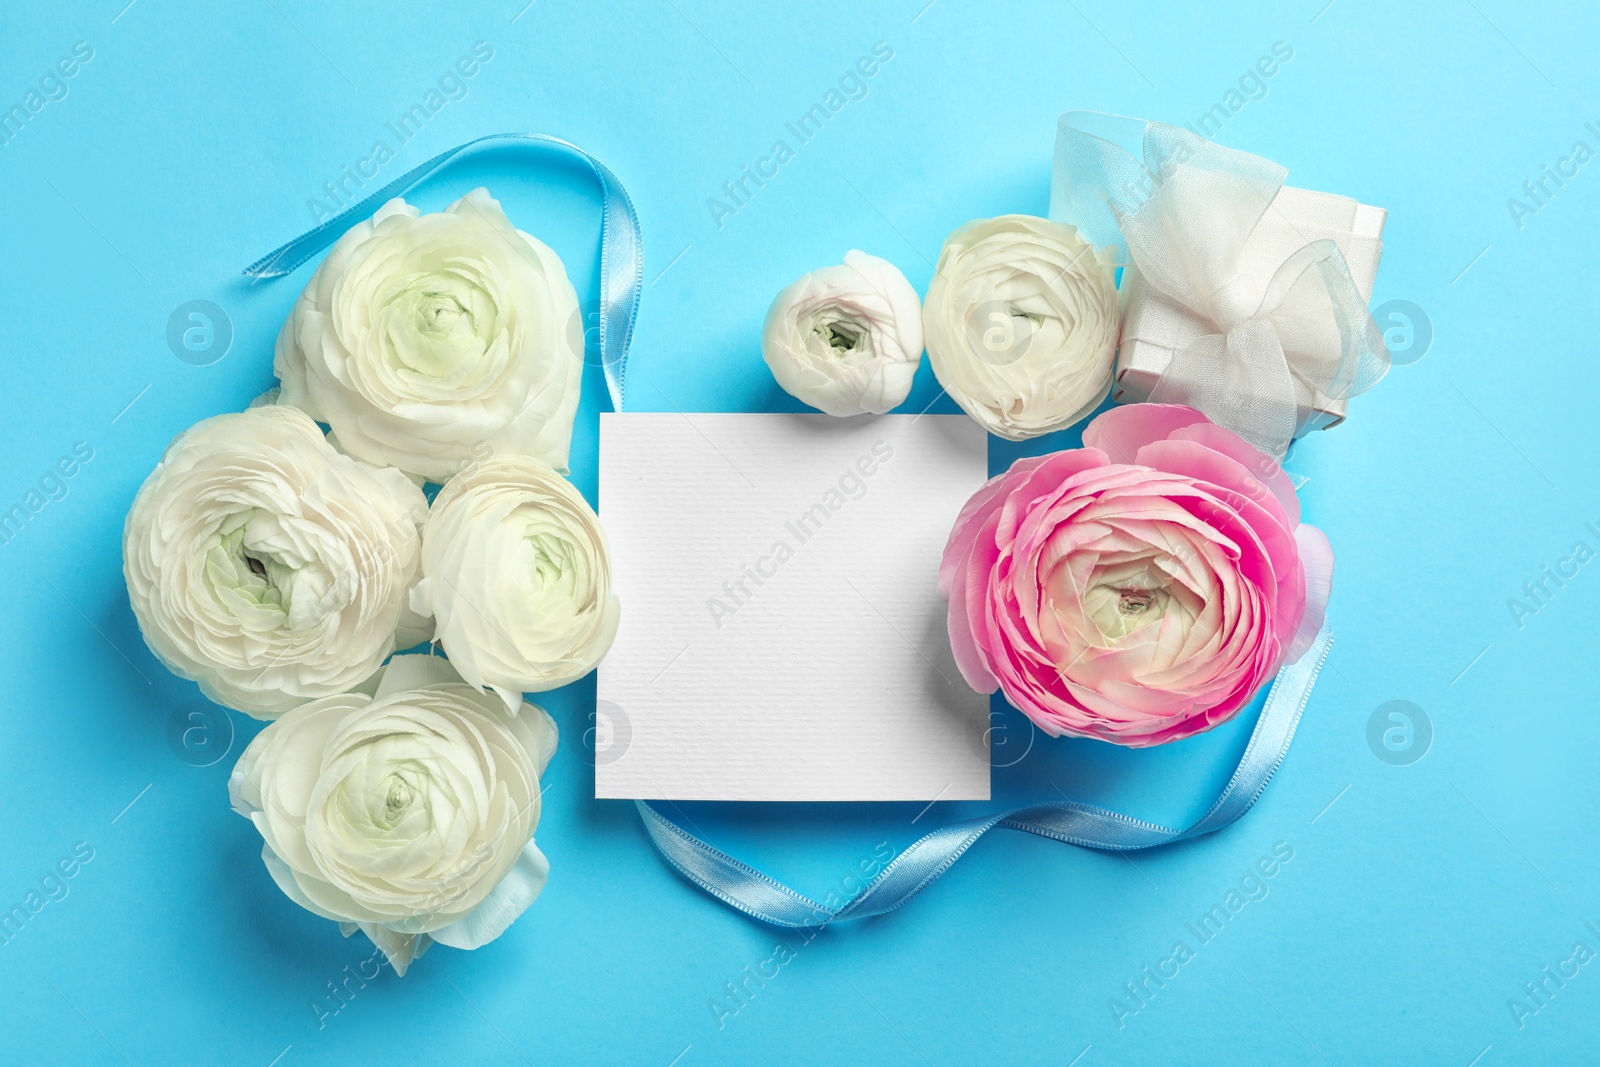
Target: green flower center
[[257, 578], [552, 562], [439, 314], [253, 571], [397, 799], [437, 324], [842, 337]]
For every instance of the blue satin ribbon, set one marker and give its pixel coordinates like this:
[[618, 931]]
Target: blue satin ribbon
[[743, 887], [621, 253]]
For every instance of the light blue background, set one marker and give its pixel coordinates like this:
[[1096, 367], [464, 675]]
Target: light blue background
[[1415, 906]]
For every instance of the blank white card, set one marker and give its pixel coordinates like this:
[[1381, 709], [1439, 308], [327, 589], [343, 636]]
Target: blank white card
[[782, 634]]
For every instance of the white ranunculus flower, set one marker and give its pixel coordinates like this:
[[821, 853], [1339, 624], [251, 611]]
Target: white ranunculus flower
[[517, 578], [267, 566], [1022, 319], [846, 339], [408, 814], [422, 335]]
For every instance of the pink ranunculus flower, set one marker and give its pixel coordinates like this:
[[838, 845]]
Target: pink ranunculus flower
[[1140, 589]]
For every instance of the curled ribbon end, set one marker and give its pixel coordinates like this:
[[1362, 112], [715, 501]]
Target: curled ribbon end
[[273, 265]]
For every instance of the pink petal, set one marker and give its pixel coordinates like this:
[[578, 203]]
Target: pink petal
[[1200, 463], [1316, 554], [1121, 432], [974, 514], [1262, 467], [969, 656]]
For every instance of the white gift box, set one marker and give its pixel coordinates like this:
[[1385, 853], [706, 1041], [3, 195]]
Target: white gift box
[[1152, 332]]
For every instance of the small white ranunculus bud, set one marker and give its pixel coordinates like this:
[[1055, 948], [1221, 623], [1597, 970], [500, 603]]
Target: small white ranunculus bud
[[846, 339]]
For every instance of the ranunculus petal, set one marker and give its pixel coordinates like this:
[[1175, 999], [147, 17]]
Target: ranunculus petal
[[518, 889], [1317, 555], [401, 950], [414, 672], [1122, 431]]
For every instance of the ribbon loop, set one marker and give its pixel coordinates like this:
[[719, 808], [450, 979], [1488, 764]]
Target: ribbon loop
[[621, 252], [743, 887], [1199, 226]]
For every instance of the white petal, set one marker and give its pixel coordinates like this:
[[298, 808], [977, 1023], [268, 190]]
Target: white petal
[[401, 950], [508, 900], [414, 672]]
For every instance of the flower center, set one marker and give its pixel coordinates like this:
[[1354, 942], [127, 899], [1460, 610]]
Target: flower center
[[258, 575], [438, 313], [842, 336], [237, 570], [1135, 601], [1124, 598], [552, 565], [397, 799], [437, 327], [1005, 330]]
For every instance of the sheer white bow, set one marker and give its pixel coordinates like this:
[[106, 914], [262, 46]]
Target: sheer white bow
[[1268, 322]]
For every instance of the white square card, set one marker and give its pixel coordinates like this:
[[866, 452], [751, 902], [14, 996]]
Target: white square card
[[782, 634]]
